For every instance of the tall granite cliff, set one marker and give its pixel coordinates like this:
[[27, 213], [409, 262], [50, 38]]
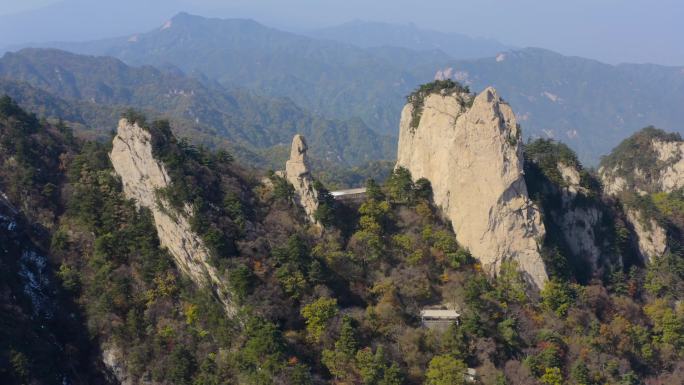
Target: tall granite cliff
[[142, 175], [469, 149]]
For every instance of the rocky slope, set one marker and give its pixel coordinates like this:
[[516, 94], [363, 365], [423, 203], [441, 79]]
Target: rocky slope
[[647, 162], [580, 226], [142, 176], [651, 236], [298, 172], [472, 155]]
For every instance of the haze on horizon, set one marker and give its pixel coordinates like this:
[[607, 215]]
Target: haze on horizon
[[613, 31]]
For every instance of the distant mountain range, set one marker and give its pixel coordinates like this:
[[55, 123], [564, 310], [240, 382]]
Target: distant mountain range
[[338, 74], [589, 105], [93, 91], [73, 20], [328, 78], [372, 34]]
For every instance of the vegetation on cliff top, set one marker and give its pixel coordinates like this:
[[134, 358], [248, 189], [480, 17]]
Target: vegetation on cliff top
[[205, 181], [443, 87]]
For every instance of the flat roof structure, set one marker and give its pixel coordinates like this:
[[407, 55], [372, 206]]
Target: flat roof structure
[[352, 191], [439, 314]]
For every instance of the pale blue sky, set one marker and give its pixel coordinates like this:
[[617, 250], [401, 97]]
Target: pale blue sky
[[608, 30], [12, 6]]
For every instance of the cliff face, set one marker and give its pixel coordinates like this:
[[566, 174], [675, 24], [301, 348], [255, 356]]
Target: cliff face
[[578, 223], [651, 236], [142, 175], [473, 158], [647, 162], [297, 172], [671, 154], [650, 161]]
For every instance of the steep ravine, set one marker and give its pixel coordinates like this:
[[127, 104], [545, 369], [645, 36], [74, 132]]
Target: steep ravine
[[142, 175]]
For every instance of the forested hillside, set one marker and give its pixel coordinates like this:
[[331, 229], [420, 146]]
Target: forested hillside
[[339, 304], [94, 91], [328, 78]]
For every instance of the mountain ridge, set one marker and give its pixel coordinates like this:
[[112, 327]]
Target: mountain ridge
[[369, 34], [588, 104], [329, 78], [252, 121]]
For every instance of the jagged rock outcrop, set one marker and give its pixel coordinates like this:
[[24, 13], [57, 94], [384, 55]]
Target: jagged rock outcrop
[[650, 161], [297, 172], [142, 175], [651, 236], [671, 154], [473, 158]]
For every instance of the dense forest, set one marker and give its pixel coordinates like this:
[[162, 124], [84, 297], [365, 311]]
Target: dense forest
[[338, 304]]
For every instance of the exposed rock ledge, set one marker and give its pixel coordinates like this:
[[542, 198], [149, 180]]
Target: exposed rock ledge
[[142, 175], [473, 158], [651, 237], [671, 154]]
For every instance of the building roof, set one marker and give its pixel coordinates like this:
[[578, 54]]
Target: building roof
[[439, 314], [352, 191]]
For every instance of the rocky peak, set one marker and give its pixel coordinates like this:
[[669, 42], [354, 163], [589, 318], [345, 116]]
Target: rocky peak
[[297, 172], [647, 162], [472, 156], [142, 176], [650, 161], [298, 150]]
